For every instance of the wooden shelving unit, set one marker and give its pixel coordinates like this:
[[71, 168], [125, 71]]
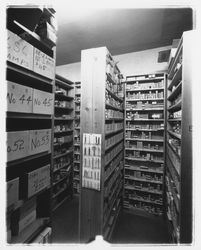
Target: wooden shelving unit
[[29, 122], [62, 178], [145, 121], [76, 180], [102, 125], [179, 143]]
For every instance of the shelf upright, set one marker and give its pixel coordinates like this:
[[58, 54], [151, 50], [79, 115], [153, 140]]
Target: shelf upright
[[76, 168], [30, 76], [101, 179], [62, 179], [179, 142], [145, 122]]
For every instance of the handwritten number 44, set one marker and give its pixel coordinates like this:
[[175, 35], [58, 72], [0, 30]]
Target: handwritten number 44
[[23, 99]]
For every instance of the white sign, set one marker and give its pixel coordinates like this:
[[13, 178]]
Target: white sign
[[19, 51], [17, 145], [91, 165], [19, 98], [38, 180], [39, 141], [43, 64], [42, 102]]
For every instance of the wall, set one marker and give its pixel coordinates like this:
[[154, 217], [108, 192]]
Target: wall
[[129, 64]]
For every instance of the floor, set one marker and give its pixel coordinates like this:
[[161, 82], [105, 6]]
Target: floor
[[65, 222], [138, 229], [130, 228]]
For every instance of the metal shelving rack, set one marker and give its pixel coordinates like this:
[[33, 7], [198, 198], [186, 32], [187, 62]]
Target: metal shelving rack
[[179, 142], [29, 122], [62, 177], [145, 121], [76, 169]]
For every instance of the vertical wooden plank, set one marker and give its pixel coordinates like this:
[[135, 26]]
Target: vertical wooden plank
[[93, 62]]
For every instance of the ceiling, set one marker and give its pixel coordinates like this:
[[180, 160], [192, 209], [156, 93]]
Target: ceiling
[[120, 30]]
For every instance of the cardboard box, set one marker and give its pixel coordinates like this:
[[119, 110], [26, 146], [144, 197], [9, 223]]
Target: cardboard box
[[19, 51], [38, 180], [23, 216], [17, 145], [12, 191], [26, 221], [43, 64], [43, 102], [39, 141], [19, 98]]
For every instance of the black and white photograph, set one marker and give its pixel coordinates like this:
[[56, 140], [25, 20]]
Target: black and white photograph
[[99, 132]]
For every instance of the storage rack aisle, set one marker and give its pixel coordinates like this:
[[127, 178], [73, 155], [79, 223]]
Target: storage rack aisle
[[63, 142], [101, 144], [30, 102], [179, 142], [144, 143], [76, 169]]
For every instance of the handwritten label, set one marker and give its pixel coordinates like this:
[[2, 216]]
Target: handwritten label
[[42, 102], [39, 141], [19, 51], [19, 98], [12, 191], [43, 64], [91, 165], [38, 180], [17, 145]]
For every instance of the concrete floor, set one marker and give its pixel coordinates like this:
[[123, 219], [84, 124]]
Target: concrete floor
[[129, 228]]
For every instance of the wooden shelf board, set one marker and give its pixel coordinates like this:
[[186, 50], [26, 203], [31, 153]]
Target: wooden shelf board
[[142, 190], [141, 129], [175, 107], [142, 169], [18, 115], [147, 201], [114, 119], [63, 108], [61, 96], [178, 136], [62, 179], [114, 132], [151, 120], [114, 95], [63, 119], [109, 106], [140, 139], [175, 92], [63, 154], [63, 84], [142, 180], [146, 80], [148, 99], [145, 109], [144, 160], [65, 166], [175, 60], [28, 158], [143, 90], [112, 145], [145, 149]]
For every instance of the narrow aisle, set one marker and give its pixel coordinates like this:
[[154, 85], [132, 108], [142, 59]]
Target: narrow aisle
[[65, 222], [136, 229]]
